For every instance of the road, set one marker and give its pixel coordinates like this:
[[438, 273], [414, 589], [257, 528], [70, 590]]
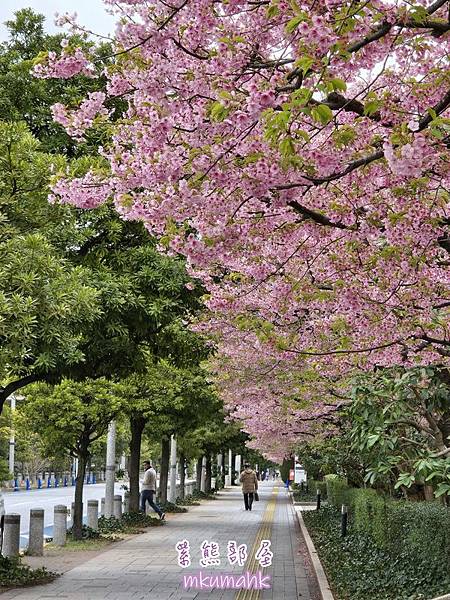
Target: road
[[21, 502], [47, 498]]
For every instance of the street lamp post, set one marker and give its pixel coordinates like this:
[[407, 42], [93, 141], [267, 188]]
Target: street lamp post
[[12, 439]]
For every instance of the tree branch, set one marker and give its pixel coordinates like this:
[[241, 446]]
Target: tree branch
[[386, 27], [316, 216], [12, 387]]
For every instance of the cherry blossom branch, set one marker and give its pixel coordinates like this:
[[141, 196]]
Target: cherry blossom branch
[[386, 27], [356, 351]]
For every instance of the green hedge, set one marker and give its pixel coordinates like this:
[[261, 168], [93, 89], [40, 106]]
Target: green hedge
[[423, 526], [310, 489], [337, 490], [358, 569]]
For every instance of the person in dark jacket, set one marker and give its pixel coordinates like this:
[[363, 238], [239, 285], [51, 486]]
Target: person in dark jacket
[[249, 483]]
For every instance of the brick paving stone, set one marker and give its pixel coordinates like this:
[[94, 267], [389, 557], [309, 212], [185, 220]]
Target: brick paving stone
[[145, 566]]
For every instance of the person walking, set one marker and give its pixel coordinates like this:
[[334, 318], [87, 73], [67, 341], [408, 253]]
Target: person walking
[[249, 485], [148, 490]]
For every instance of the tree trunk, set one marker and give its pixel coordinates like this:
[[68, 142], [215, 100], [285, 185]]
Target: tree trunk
[[137, 424], [164, 476], [182, 475], [77, 519], [198, 474], [208, 474]]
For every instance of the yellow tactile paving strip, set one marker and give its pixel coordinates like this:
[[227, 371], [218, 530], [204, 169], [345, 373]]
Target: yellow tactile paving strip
[[263, 534]]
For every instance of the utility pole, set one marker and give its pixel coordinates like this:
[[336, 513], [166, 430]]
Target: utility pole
[[173, 470], [110, 470], [12, 439]]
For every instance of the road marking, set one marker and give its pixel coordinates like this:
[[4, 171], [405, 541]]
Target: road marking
[[263, 534]]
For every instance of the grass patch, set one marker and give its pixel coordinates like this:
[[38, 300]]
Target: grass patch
[[197, 495], [129, 523], [169, 507], [84, 544], [304, 495], [187, 501], [358, 570], [15, 574]]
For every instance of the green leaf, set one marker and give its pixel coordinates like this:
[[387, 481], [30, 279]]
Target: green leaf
[[372, 440], [287, 147], [371, 107], [272, 11], [218, 112], [442, 488], [304, 64], [338, 84], [322, 113], [294, 23]]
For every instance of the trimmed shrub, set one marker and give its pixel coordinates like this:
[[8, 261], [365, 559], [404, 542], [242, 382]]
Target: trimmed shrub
[[359, 570], [411, 540], [337, 490], [320, 485]]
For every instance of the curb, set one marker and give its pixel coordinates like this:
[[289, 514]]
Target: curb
[[322, 580], [446, 597]]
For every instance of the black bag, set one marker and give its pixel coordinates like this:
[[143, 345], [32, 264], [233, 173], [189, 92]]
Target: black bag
[[256, 496]]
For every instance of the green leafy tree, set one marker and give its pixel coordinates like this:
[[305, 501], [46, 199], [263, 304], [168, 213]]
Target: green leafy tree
[[165, 400], [45, 301], [69, 418], [24, 97], [400, 426]]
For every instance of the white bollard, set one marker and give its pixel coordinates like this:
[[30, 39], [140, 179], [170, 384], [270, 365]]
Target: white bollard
[[11, 535], [60, 525], [118, 506], [92, 514], [36, 538], [126, 502], [102, 507]]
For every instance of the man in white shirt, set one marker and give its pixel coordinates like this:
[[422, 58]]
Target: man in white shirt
[[148, 490]]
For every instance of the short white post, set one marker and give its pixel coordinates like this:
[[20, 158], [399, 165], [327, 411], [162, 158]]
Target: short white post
[[11, 535], [126, 502], [118, 506], [92, 514], [36, 537], [102, 507], [60, 525]]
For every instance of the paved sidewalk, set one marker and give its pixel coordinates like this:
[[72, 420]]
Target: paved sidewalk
[[145, 567]]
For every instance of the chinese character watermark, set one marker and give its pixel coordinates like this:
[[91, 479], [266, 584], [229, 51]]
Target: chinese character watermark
[[210, 554], [184, 557], [237, 555], [264, 554]]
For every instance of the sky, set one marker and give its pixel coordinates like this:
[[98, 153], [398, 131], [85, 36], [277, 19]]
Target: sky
[[91, 13]]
